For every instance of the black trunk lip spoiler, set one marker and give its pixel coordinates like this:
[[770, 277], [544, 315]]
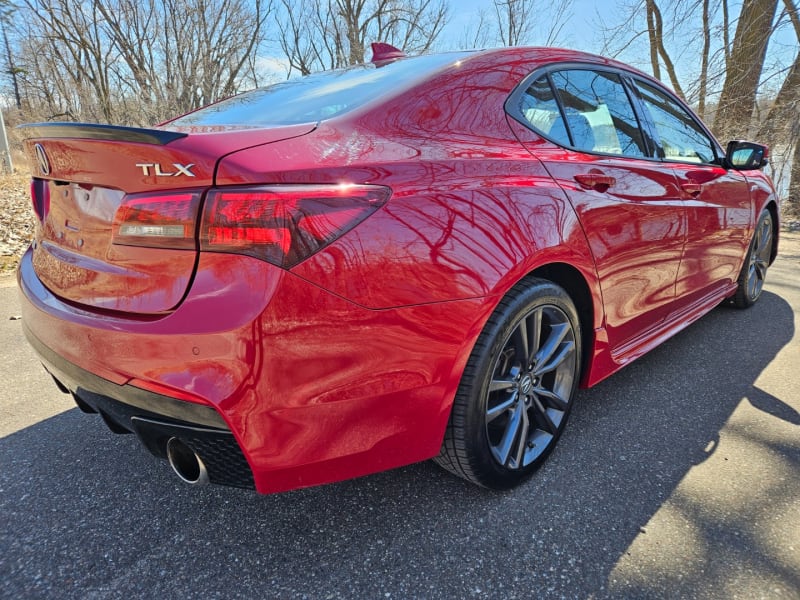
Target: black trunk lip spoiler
[[96, 131]]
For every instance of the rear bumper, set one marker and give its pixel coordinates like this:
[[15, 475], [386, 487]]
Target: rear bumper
[[310, 387], [132, 401], [155, 418]]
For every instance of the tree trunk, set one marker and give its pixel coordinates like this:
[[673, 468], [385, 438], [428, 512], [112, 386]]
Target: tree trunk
[[701, 101], [785, 108], [651, 36], [783, 115], [726, 32], [793, 194], [12, 69], [654, 13], [738, 98]]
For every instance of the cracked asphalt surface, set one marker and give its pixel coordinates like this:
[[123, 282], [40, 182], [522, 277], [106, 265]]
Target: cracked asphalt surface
[[678, 477]]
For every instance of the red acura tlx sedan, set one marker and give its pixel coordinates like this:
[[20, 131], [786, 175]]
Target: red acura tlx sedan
[[359, 269]]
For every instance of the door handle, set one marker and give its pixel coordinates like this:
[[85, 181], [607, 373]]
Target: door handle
[[595, 181], [693, 189]]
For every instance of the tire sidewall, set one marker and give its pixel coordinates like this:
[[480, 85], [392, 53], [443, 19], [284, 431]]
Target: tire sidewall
[[743, 297]]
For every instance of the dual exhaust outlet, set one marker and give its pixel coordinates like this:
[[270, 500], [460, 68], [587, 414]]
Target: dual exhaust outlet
[[186, 463]]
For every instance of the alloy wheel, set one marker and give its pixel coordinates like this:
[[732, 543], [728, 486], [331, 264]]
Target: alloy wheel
[[530, 390]]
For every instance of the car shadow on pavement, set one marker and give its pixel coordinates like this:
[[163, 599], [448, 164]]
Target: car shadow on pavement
[[88, 513]]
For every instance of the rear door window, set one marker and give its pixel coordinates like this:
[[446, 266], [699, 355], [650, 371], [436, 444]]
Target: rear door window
[[595, 113], [599, 113]]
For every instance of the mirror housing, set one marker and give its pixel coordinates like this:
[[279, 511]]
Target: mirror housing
[[746, 156]]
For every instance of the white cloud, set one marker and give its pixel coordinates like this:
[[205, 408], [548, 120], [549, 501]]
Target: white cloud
[[271, 69]]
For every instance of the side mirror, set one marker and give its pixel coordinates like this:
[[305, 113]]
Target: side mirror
[[745, 156]]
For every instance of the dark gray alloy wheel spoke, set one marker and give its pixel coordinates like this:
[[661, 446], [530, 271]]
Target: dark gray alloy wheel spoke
[[501, 408], [517, 422], [552, 353], [529, 392], [765, 247], [501, 384], [544, 417], [536, 323], [520, 338], [551, 398]]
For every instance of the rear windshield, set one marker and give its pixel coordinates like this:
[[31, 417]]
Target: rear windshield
[[318, 96]]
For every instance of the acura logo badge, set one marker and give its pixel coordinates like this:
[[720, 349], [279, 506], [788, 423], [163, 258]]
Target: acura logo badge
[[41, 158]]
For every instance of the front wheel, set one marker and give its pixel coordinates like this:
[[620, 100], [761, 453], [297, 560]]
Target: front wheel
[[754, 271], [517, 388]]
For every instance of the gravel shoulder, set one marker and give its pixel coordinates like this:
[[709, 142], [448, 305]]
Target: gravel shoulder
[[16, 220]]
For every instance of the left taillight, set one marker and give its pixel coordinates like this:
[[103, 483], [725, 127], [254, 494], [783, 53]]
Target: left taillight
[[284, 224], [40, 197], [162, 220]]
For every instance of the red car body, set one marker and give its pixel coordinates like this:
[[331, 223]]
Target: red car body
[[347, 361]]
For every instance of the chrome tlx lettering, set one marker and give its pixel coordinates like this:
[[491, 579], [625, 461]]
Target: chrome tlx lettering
[[155, 169]]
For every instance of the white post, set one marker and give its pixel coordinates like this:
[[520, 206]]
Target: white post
[[4, 149]]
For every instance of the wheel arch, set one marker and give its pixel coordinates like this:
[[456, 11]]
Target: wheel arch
[[573, 282], [772, 207]]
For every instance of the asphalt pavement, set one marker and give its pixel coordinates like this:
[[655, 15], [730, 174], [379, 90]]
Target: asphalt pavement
[[678, 477]]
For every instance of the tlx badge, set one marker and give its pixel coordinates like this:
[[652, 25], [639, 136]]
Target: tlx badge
[[155, 169]]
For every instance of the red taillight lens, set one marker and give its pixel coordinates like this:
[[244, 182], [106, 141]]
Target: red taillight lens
[[40, 197], [285, 224], [164, 220]]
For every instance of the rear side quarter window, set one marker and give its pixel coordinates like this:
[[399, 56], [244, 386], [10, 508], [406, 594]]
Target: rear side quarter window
[[540, 110]]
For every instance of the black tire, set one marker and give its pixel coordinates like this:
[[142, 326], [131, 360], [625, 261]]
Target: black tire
[[754, 270], [508, 413]]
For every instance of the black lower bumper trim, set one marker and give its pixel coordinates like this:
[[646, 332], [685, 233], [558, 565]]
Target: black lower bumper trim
[[217, 449]]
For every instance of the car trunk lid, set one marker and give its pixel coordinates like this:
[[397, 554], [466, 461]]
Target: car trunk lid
[[118, 208]]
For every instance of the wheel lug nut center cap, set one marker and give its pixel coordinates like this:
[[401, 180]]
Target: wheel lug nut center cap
[[526, 385]]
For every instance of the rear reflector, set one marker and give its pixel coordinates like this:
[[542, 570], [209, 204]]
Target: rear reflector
[[40, 197], [285, 224], [164, 220]]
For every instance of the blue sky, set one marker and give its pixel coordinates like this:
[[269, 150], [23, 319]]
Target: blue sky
[[583, 32], [580, 34]]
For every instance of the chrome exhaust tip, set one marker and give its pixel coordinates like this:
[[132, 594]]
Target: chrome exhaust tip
[[186, 463]]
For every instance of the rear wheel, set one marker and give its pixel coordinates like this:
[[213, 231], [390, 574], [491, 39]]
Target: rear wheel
[[754, 271], [517, 389]]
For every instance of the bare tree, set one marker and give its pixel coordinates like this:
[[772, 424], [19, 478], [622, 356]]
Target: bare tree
[[678, 33], [6, 16], [655, 29], [781, 123], [69, 44], [138, 61], [523, 21], [738, 98], [478, 34], [513, 20], [704, 60], [729, 85], [327, 34], [783, 112]]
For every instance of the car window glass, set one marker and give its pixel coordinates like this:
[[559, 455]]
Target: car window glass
[[681, 136], [318, 96], [538, 106], [598, 112]]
